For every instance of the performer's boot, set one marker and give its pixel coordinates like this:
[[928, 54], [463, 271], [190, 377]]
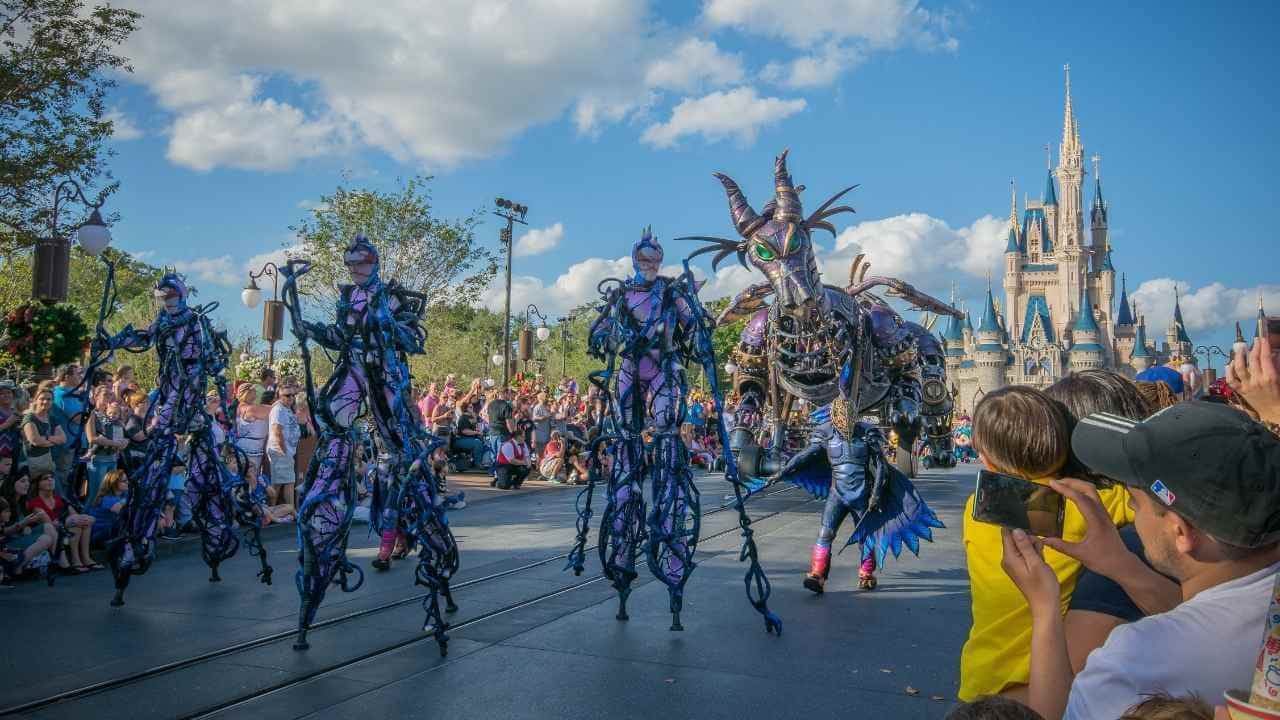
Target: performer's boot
[[402, 546], [867, 574], [816, 580], [383, 561]]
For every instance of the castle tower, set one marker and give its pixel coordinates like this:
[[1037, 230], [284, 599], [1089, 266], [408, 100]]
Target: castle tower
[[1098, 212], [1140, 359], [1049, 203], [953, 344], [989, 355], [1013, 259], [1123, 329], [1086, 352], [1176, 336], [1070, 176]]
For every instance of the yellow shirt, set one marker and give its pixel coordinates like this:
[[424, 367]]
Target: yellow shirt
[[997, 654]]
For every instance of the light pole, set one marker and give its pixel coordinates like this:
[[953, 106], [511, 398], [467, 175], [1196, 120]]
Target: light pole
[[526, 335], [272, 311], [51, 269], [513, 213], [1209, 351], [564, 345]]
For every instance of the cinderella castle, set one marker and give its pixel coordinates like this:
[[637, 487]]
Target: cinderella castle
[[1059, 312]]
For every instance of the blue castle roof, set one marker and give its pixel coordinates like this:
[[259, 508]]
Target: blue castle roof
[[988, 322], [1050, 193], [954, 331], [1085, 322], [1037, 306], [1035, 216], [1140, 343], [1013, 246], [1124, 316], [1177, 318]]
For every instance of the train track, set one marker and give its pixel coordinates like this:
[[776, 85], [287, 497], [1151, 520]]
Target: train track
[[91, 689]]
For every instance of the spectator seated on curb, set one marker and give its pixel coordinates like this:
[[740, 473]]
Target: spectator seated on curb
[[1019, 431], [1205, 482], [108, 505]]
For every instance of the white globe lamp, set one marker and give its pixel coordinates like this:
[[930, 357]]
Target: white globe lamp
[[93, 236]]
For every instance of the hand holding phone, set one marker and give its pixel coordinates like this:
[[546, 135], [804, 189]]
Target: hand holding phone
[[1013, 502]]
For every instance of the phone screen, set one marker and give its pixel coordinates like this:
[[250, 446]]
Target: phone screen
[[1273, 331], [1013, 502]]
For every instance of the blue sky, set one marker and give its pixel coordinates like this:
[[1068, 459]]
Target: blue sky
[[608, 116]]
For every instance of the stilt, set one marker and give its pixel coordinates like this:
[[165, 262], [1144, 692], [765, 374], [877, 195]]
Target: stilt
[[449, 605], [213, 574], [301, 642], [675, 622], [118, 600], [622, 604]]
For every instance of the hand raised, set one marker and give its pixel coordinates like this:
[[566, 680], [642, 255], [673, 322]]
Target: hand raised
[[1101, 550], [1023, 562]]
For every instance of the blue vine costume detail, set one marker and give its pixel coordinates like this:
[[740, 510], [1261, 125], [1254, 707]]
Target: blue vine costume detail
[[815, 360], [191, 354], [646, 329], [377, 325]]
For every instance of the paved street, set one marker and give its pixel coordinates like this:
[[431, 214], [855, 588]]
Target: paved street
[[530, 639]]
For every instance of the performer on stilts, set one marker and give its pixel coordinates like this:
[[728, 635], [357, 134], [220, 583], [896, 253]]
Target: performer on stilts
[[191, 354], [377, 325], [647, 328]]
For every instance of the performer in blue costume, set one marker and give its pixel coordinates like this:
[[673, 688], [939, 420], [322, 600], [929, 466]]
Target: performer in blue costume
[[191, 353], [842, 351], [647, 328], [377, 324]]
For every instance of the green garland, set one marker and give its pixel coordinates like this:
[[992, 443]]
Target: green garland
[[36, 336]]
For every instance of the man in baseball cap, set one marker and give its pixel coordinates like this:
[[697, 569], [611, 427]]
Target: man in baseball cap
[[1204, 483]]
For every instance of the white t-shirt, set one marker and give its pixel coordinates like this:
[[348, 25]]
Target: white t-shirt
[[288, 422], [1207, 645]]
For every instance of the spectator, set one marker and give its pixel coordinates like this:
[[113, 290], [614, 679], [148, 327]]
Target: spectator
[[441, 418], [1208, 512], [46, 498], [26, 534], [513, 463], [177, 511], [993, 707], [42, 435], [68, 411], [1163, 707], [468, 437], [540, 416], [252, 425], [1099, 605], [135, 429], [267, 379], [10, 430], [1156, 396], [1019, 431], [498, 413], [105, 431], [1255, 375], [282, 445], [108, 504], [123, 380], [427, 404], [551, 461], [698, 456], [308, 438]]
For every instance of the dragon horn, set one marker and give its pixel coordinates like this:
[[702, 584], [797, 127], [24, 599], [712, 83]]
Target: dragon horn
[[745, 219], [785, 194]]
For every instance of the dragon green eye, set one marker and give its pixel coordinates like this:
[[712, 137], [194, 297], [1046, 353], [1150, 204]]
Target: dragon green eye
[[764, 252]]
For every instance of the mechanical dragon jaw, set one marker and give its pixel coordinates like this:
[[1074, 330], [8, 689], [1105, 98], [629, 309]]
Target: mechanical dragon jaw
[[805, 343]]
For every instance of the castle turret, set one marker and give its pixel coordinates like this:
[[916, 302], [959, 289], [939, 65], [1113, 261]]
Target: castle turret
[[1124, 318], [989, 356], [1098, 211], [1013, 259], [1070, 176], [1086, 352], [1140, 359], [1176, 336], [1049, 201]]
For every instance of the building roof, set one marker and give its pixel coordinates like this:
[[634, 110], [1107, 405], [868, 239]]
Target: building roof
[[1140, 342], [989, 347], [954, 332], [968, 323], [1123, 315], [1106, 260], [1085, 322], [1037, 306], [1013, 246], [1086, 347], [989, 322], [1033, 217], [1050, 196], [1040, 267], [1177, 318]]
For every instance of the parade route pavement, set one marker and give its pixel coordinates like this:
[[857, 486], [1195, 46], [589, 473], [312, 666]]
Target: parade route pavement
[[530, 640]]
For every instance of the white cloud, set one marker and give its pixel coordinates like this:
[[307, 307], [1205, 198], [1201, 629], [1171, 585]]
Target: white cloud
[[1208, 308], [123, 129], [219, 270], [737, 114], [694, 64], [279, 256], [815, 70], [434, 83], [877, 23], [539, 240]]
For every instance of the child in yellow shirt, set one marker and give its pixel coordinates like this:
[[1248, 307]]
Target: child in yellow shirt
[[1020, 431]]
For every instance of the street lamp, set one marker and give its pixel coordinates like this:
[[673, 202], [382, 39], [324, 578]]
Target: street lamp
[[512, 212], [51, 270], [526, 335], [564, 345], [1209, 351], [272, 311]]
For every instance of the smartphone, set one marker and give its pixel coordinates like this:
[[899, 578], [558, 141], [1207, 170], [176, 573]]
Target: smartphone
[[1273, 331], [1014, 502]]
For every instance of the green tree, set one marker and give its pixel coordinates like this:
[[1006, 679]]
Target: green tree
[[439, 258], [56, 65]]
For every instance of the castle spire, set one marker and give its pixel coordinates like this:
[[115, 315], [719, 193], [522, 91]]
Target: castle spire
[[1261, 325], [1140, 341], [1177, 318], [1050, 196], [1085, 323], [1123, 316], [1070, 148], [989, 322], [1013, 203]]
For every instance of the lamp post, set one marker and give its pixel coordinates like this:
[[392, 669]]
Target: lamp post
[[272, 311], [513, 213], [564, 345], [525, 346], [1209, 351], [51, 269]]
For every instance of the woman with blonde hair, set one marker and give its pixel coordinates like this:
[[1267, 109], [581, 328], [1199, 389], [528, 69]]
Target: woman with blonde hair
[[251, 428]]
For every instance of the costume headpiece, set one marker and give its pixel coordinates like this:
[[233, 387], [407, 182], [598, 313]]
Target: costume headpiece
[[360, 249], [647, 242], [171, 281]]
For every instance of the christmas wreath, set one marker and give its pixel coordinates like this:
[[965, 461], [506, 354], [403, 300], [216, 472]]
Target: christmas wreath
[[35, 336]]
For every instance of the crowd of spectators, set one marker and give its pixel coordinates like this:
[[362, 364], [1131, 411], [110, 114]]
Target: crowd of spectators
[[1154, 600]]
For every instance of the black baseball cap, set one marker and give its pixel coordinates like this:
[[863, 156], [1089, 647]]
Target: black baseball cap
[[1210, 463]]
